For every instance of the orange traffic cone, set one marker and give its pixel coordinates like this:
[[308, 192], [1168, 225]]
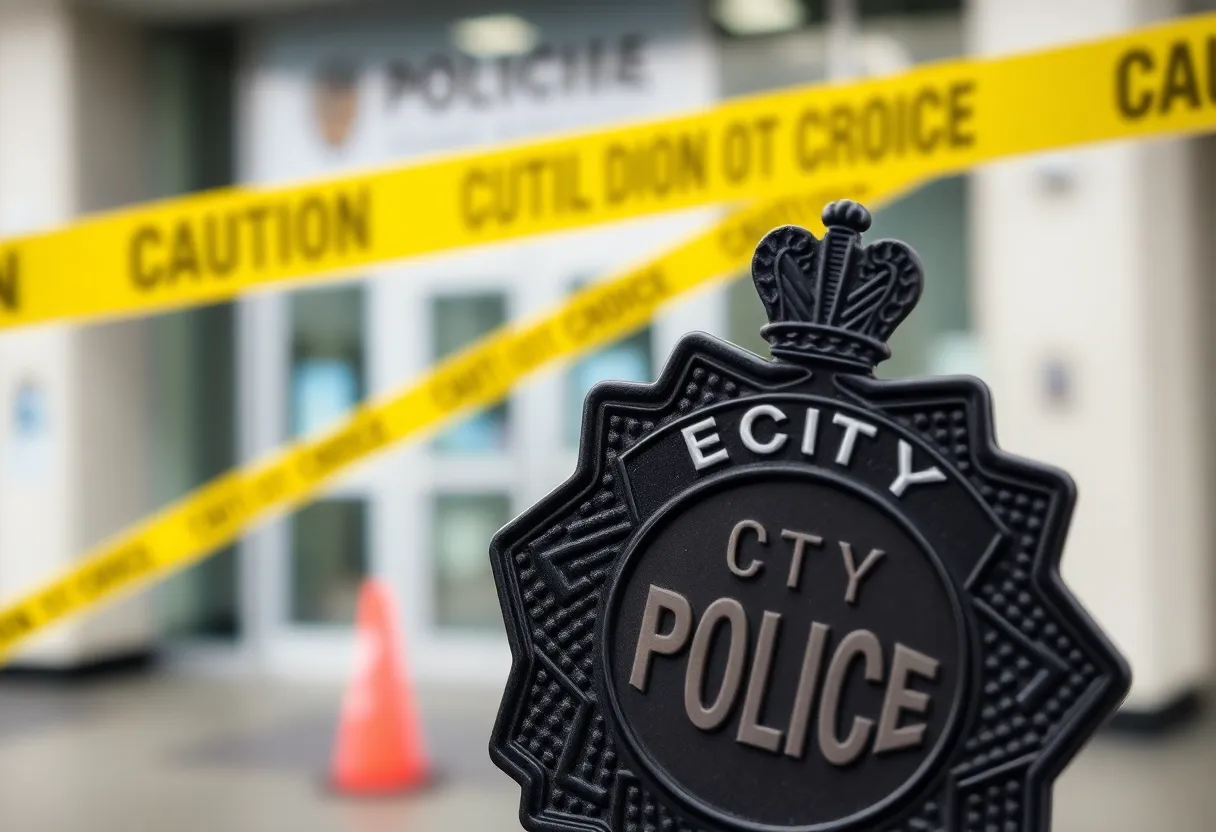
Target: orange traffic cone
[[379, 747]]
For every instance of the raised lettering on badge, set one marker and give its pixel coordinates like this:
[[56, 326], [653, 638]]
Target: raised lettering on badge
[[786, 596]]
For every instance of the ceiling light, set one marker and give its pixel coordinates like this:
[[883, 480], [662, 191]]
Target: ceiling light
[[882, 54], [759, 17], [494, 35]]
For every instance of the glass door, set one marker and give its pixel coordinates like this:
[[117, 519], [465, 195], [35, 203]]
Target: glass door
[[638, 356], [326, 378], [462, 481], [469, 478], [420, 515], [308, 362]]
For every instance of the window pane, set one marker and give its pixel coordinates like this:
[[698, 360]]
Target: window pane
[[456, 321], [193, 440], [936, 339], [328, 560], [745, 316], [629, 359], [464, 585], [326, 356]]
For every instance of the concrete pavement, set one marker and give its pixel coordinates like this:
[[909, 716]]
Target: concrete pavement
[[203, 754]]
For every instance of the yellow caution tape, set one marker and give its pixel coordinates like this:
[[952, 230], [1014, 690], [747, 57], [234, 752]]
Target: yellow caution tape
[[220, 511], [865, 140], [935, 119]]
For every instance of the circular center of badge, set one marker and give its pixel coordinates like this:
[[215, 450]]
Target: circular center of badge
[[782, 650]]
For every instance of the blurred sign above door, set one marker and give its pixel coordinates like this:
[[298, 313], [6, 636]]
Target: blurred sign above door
[[326, 91]]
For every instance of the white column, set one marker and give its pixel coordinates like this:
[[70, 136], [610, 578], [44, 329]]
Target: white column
[[1085, 272], [73, 471]]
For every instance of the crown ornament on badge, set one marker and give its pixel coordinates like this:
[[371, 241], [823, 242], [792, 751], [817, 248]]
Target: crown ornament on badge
[[834, 300]]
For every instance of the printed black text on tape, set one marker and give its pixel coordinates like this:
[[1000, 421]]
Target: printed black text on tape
[[785, 595]]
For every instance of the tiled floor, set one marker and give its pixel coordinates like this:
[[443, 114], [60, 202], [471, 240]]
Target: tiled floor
[[209, 755]]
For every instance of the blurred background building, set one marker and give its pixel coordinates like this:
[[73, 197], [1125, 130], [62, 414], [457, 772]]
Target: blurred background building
[[1077, 284]]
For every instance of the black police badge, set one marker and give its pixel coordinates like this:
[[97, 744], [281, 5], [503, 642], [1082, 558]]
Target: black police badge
[[785, 596]]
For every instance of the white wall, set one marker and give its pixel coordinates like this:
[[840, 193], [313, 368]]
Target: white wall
[[1101, 277], [113, 373], [69, 125]]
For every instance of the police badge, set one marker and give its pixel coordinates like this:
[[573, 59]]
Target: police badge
[[785, 596]]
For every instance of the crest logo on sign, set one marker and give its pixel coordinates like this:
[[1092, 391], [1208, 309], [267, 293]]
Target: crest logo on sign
[[335, 103], [785, 595]]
